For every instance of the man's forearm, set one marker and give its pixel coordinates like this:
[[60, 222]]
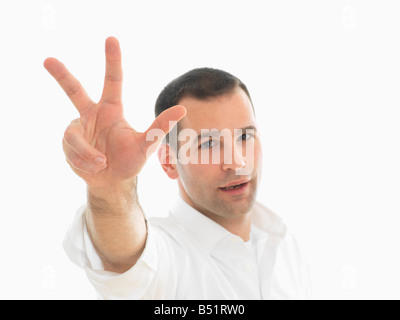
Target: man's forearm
[[116, 225]]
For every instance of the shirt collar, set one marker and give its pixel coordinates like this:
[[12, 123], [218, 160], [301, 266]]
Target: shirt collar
[[208, 233], [205, 231]]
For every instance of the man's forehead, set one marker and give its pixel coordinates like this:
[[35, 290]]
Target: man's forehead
[[232, 111]]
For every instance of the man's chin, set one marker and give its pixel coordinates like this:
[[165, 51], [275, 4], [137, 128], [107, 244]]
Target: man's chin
[[239, 208]]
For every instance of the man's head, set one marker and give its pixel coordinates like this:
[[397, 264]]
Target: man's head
[[216, 102]]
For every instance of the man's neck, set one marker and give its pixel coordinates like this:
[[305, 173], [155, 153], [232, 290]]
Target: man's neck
[[239, 226]]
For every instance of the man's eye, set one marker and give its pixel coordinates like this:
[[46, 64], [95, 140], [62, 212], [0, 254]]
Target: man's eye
[[208, 144], [246, 136]]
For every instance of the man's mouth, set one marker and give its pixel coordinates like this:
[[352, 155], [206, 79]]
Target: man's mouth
[[236, 189]]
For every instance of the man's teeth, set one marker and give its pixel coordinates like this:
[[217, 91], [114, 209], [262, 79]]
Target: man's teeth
[[234, 187]]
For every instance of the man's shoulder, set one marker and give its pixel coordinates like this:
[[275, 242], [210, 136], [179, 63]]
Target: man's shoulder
[[165, 226]]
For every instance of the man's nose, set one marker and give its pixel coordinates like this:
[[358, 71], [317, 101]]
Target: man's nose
[[233, 160]]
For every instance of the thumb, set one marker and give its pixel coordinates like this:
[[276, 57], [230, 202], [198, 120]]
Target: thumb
[[161, 127], [173, 114]]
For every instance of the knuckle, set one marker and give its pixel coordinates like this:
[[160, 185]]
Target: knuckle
[[71, 135], [76, 162], [85, 153], [70, 131], [73, 90], [75, 122], [67, 135], [80, 165], [113, 78]]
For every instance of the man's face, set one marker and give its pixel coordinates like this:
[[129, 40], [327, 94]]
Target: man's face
[[201, 184]]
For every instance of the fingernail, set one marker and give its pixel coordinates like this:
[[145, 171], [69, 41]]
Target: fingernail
[[99, 160]]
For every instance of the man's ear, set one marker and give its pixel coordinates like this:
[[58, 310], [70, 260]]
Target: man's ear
[[168, 160]]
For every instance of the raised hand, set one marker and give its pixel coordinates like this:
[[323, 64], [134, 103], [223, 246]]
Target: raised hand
[[100, 146]]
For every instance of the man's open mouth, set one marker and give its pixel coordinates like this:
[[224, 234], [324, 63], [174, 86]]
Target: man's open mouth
[[235, 187]]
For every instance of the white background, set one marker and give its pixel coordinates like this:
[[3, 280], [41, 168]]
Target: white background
[[325, 80]]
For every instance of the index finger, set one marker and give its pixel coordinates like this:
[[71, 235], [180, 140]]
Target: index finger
[[69, 84]]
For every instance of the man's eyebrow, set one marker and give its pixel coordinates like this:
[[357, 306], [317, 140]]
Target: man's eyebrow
[[216, 133], [250, 128]]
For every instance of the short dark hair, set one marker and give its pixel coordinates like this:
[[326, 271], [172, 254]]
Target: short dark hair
[[201, 84]]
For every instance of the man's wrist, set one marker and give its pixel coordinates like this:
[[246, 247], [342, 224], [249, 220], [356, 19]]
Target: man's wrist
[[113, 198]]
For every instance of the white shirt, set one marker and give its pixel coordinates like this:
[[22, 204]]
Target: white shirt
[[189, 256]]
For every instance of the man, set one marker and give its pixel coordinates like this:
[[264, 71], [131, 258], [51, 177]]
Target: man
[[217, 242]]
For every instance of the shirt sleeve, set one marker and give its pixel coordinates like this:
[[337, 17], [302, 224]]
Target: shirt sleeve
[[145, 280]]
